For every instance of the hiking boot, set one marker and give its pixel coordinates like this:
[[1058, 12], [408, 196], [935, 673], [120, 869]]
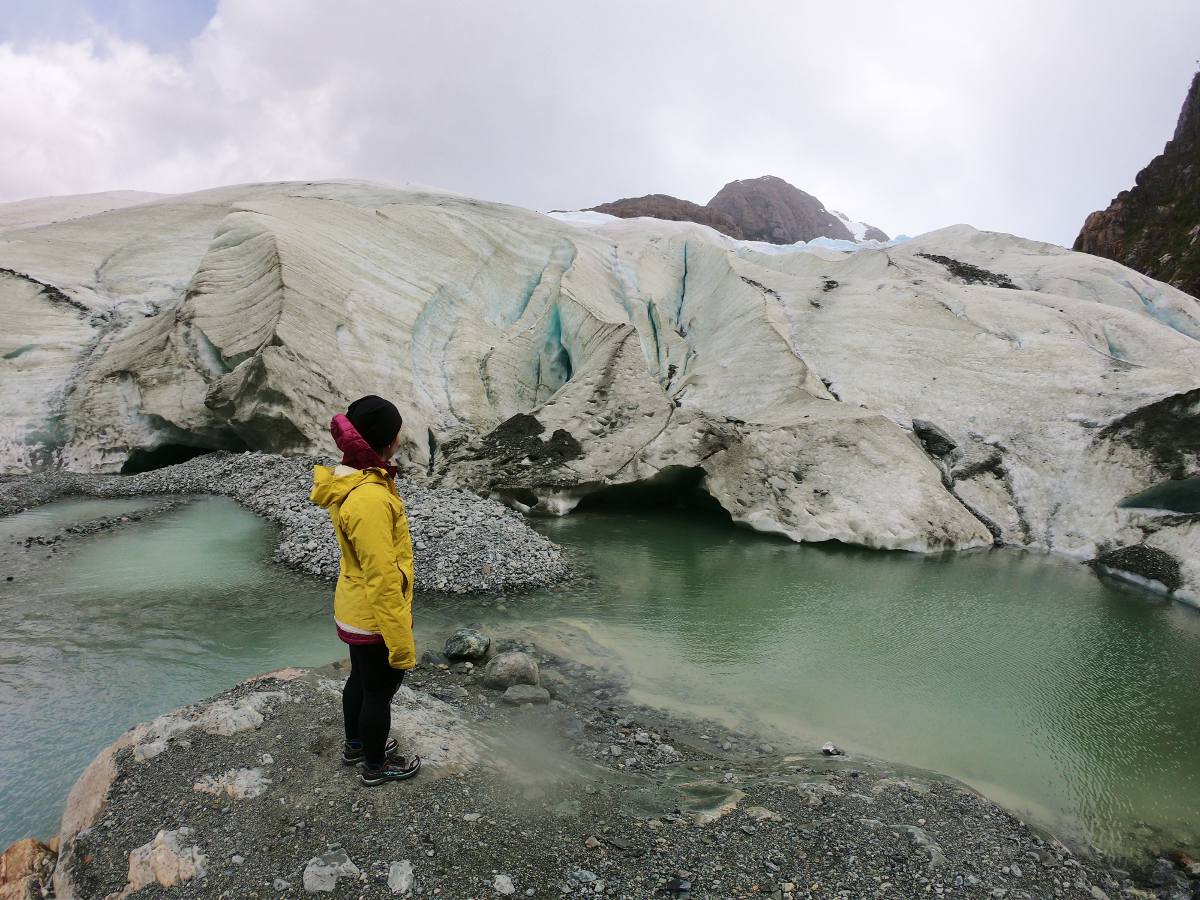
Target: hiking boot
[[397, 768], [352, 756]]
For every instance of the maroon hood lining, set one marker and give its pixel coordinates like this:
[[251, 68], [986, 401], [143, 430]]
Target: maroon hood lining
[[356, 452]]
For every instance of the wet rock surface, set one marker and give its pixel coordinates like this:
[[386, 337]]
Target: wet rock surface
[[583, 796], [461, 542]]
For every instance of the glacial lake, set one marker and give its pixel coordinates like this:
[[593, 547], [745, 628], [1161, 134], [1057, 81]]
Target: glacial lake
[[1073, 701]]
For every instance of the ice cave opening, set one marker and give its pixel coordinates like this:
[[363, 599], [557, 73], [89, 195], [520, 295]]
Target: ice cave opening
[[148, 459], [672, 487]]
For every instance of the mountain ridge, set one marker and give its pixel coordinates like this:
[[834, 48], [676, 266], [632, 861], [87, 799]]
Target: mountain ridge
[[1154, 227], [766, 208]]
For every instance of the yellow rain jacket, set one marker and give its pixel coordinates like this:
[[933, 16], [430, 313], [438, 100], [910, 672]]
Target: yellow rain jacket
[[375, 577]]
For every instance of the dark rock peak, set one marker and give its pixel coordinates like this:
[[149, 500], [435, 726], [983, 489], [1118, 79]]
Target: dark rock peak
[[1188, 126], [1155, 226], [664, 206], [770, 209], [875, 234], [757, 209]]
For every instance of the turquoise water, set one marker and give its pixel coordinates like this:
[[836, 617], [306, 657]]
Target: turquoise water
[[1072, 700], [1179, 495], [137, 622]]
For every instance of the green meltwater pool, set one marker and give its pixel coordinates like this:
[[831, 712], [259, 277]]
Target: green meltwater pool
[[1073, 701]]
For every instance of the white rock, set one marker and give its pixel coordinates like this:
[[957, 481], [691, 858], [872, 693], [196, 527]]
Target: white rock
[[503, 885], [149, 750], [400, 877], [236, 784], [322, 872], [228, 718], [165, 861]]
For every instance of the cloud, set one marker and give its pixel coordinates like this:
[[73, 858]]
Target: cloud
[[911, 116]]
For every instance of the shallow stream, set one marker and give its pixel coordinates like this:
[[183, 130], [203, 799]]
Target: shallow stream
[[1071, 700]]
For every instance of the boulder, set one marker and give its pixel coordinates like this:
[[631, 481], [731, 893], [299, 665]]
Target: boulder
[[432, 659], [508, 669], [934, 439], [467, 644], [24, 865], [519, 694]]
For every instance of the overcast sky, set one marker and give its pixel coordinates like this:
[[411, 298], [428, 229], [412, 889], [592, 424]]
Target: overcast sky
[[1015, 115]]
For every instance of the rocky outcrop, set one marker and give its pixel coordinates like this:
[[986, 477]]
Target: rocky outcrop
[[755, 209], [529, 796], [1154, 227], [26, 868], [539, 362], [670, 209], [769, 209]]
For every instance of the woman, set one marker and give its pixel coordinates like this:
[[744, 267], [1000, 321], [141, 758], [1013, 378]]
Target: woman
[[372, 605]]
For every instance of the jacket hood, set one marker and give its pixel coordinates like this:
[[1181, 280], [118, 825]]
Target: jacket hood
[[356, 451], [331, 486]]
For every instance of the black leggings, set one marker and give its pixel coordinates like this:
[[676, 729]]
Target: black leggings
[[367, 698]]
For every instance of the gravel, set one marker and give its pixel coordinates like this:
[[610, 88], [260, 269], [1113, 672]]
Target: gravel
[[461, 542], [546, 806]]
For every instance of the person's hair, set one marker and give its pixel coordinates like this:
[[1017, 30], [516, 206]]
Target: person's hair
[[376, 419]]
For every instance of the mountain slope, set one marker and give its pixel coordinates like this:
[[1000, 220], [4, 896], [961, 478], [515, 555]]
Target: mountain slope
[[1155, 226], [755, 209], [769, 209], [670, 209]]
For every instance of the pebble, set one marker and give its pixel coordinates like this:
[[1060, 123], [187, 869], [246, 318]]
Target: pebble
[[503, 885]]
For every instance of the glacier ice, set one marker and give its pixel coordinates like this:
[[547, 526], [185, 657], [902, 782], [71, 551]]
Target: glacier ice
[[239, 317]]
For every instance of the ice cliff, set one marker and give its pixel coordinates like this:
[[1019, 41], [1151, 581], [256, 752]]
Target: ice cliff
[[956, 390]]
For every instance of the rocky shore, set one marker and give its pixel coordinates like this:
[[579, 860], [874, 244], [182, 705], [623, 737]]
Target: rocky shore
[[462, 542], [538, 782]]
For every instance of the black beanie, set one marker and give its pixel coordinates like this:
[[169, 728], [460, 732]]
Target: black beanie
[[376, 419]]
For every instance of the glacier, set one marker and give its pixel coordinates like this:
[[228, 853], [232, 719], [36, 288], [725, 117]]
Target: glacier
[[543, 358]]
